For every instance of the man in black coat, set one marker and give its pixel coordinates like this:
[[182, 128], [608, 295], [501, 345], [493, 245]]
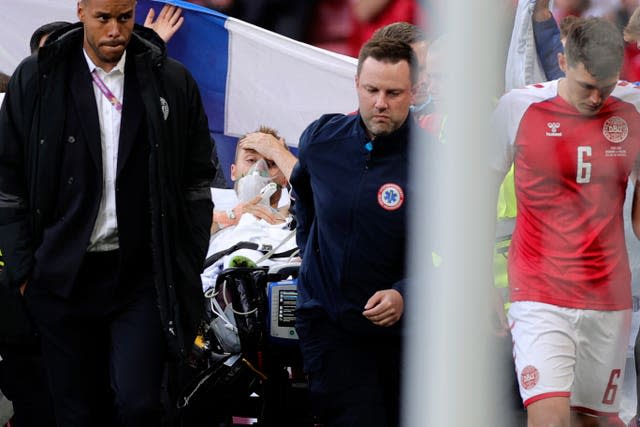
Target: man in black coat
[[22, 376], [105, 211]]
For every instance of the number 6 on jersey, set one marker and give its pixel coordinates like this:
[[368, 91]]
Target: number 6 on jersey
[[583, 174]]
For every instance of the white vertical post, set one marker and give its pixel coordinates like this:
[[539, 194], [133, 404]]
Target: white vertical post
[[451, 370]]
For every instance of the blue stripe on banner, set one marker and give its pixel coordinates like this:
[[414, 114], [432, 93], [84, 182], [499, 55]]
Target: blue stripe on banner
[[203, 47], [206, 60]]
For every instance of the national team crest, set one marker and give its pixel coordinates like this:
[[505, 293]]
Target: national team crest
[[529, 377], [164, 106], [390, 196], [615, 129]]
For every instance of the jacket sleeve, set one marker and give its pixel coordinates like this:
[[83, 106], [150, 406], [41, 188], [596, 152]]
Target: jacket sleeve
[[302, 192], [199, 170], [401, 286], [15, 234], [548, 45]]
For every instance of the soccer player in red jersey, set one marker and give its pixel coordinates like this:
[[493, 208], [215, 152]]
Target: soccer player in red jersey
[[574, 143]]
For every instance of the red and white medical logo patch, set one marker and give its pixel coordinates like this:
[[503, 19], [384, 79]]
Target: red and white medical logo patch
[[529, 377], [615, 129], [390, 197]]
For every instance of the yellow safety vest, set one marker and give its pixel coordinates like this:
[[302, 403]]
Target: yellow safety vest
[[507, 209]]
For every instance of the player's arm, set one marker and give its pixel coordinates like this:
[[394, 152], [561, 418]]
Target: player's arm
[[500, 160], [635, 207], [226, 218], [547, 36], [271, 148], [496, 301]]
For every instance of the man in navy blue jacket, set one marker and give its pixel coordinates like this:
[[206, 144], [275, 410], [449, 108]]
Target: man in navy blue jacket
[[351, 189]]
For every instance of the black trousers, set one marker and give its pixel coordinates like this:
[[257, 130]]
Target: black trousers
[[23, 382], [353, 380], [103, 347]]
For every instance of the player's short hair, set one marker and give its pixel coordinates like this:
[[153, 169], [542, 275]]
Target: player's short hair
[[388, 50], [567, 23], [44, 30], [598, 45], [402, 31]]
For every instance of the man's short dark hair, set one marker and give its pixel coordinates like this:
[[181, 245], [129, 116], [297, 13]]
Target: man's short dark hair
[[402, 31], [388, 50], [45, 30], [598, 45], [4, 82]]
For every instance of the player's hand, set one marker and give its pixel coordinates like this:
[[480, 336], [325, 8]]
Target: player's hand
[[263, 143], [257, 209], [254, 207], [168, 23], [384, 308], [260, 211], [541, 11], [273, 150], [501, 327]]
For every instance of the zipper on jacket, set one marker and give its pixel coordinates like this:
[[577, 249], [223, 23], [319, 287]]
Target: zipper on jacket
[[369, 147], [355, 203]]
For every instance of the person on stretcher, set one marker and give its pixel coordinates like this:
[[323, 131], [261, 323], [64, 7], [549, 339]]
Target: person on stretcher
[[260, 213]]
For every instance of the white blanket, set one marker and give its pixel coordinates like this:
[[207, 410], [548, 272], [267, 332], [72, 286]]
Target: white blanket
[[249, 229]]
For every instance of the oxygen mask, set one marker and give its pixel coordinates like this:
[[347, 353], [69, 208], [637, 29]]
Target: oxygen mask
[[256, 182]]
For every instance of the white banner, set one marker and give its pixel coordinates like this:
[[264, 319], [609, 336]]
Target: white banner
[[20, 18]]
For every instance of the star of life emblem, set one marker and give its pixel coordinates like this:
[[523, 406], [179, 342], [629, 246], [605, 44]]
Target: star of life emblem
[[553, 127], [615, 129], [390, 196]]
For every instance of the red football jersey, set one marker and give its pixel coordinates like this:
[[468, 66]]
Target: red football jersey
[[571, 175]]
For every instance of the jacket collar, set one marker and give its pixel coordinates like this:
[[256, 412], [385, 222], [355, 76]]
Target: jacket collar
[[392, 142]]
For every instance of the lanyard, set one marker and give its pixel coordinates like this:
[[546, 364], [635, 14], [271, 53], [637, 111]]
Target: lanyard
[[105, 90]]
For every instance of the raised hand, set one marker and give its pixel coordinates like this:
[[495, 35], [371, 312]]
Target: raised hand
[[168, 23]]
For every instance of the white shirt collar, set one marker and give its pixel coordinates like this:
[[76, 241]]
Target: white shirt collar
[[119, 66]]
